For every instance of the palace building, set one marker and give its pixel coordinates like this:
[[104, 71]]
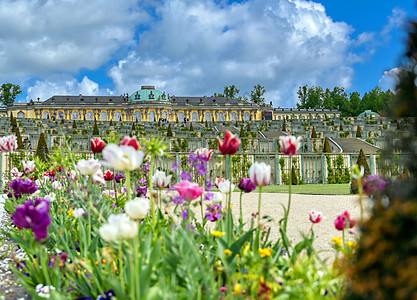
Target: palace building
[[149, 105]]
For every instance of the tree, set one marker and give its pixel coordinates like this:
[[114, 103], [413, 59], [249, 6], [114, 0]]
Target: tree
[[257, 93], [359, 132], [326, 148], [191, 126], [242, 132], [284, 126], [340, 127], [133, 126], [310, 97], [74, 125], [169, 131], [96, 132], [8, 93], [231, 91], [42, 151], [19, 138], [314, 133]]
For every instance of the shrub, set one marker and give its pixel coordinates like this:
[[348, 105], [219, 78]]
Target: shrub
[[74, 125], [359, 132], [313, 133], [326, 148], [96, 132], [42, 151], [169, 131], [19, 138]]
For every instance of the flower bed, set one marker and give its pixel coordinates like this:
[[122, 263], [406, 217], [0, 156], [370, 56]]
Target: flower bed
[[92, 233]]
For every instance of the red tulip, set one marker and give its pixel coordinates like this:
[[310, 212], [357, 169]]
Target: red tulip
[[229, 145], [52, 173], [97, 145], [133, 142], [189, 190], [352, 222], [108, 176], [315, 216]]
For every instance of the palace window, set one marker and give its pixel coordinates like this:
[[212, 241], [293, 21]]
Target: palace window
[[247, 116], [103, 116], [164, 115], [89, 116], [221, 117], [234, 116], [152, 116], [46, 115], [208, 117], [61, 115], [117, 116], [75, 115], [137, 96], [194, 117], [137, 116], [181, 117], [20, 114]]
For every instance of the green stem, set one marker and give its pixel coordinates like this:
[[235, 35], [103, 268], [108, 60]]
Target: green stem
[[289, 202], [259, 206], [150, 189], [201, 207], [132, 272], [121, 273], [129, 192], [136, 263]]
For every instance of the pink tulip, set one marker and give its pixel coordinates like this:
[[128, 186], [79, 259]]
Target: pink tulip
[[315, 216], [290, 144], [352, 222], [229, 145], [189, 190], [132, 142], [340, 223], [97, 145]]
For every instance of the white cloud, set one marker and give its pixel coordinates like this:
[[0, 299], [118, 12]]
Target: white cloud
[[38, 38], [389, 80], [198, 47], [70, 86]]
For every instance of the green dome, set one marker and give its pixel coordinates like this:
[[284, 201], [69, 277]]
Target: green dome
[[148, 93]]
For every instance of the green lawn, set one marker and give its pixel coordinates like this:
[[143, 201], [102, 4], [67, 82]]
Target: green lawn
[[312, 189]]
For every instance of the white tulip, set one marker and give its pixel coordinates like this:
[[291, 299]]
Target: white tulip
[[226, 186], [128, 229], [109, 232], [78, 213], [50, 197], [98, 177], [88, 167], [56, 185], [122, 158], [160, 179], [260, 173], [137, 208], [28, 166], [217, 197]]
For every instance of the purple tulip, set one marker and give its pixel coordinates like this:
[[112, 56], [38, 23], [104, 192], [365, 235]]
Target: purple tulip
[[119, 177], [246, 185], [34, 216], [375, 185], [23, 186]]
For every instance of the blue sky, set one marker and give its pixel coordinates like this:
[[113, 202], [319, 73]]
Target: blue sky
[[197, 47]]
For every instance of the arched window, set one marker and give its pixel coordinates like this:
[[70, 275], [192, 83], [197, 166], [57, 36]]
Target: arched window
[[152, 116], [181, 117], [194, 117], [89, 115], [208, 117], [46, 115], [137, 116], [20, 114], [164, 115], [234, 116], [117, 116], [103, 116], [221, 117], [75, 115], [60, 115], [247, 116]]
